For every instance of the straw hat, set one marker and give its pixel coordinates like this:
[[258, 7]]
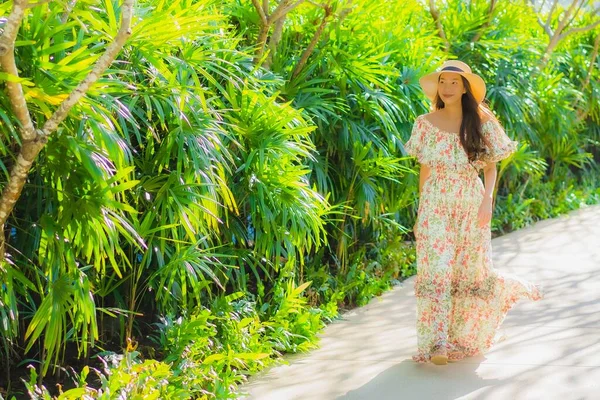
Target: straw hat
[[429, 82]]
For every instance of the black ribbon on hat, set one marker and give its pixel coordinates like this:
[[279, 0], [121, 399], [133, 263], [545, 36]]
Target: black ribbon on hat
[[452, 69]]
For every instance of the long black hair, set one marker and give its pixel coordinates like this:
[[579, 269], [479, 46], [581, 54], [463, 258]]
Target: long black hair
[[471, 135]]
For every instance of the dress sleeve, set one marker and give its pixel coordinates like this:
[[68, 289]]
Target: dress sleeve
[[499, 145], [415, 144]]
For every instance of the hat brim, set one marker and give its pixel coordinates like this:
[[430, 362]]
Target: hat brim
[[429, 84]]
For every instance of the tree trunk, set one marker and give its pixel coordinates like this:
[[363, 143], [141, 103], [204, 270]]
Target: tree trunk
[[34, 140], [277, 18], [548, 52], [490, 16], [592, 62], [18, 176], [435, 14], [261, 42], [274, 42], [313, 43], [559, 33], [581, 115]]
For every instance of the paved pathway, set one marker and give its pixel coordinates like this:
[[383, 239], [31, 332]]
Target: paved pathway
[[551, 350]]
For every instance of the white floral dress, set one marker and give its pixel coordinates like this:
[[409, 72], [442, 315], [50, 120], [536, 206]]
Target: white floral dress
[[461, 299]]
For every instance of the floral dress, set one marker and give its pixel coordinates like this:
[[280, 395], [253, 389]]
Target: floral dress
[[461, 299]]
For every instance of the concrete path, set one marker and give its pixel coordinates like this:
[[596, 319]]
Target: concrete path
[[551, 350]]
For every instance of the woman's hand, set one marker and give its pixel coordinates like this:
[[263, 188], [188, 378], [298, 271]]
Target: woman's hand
[[484, 216]]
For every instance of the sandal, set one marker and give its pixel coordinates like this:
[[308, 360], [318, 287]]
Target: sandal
[[439, 354]]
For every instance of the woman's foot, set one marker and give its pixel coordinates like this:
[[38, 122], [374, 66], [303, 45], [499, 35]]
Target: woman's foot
[[439, 355]]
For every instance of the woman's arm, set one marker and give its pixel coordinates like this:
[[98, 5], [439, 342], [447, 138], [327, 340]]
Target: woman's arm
[[484, 215], [423, 176]]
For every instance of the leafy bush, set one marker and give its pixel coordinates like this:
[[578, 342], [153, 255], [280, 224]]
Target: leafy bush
[[196, 170]]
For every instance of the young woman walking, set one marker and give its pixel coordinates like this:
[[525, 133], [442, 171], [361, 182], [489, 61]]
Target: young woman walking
[[461, 298]]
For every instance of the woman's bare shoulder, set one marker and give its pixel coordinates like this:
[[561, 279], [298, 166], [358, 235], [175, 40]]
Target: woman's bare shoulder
[[486, 119], [431, 116], [486, 116]]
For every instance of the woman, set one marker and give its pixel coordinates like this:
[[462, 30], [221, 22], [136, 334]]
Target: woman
[[461, 299]]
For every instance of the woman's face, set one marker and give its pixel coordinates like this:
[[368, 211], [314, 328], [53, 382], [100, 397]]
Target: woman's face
[[451, 88]]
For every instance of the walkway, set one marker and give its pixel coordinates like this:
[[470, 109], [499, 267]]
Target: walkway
[[551, 349]]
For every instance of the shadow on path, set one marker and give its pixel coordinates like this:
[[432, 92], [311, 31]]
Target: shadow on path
[[429, 381]]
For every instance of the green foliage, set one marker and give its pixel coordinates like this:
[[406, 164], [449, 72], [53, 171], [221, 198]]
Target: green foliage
[[541, 200], [208, 353], [244, 207], [128, 377]]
